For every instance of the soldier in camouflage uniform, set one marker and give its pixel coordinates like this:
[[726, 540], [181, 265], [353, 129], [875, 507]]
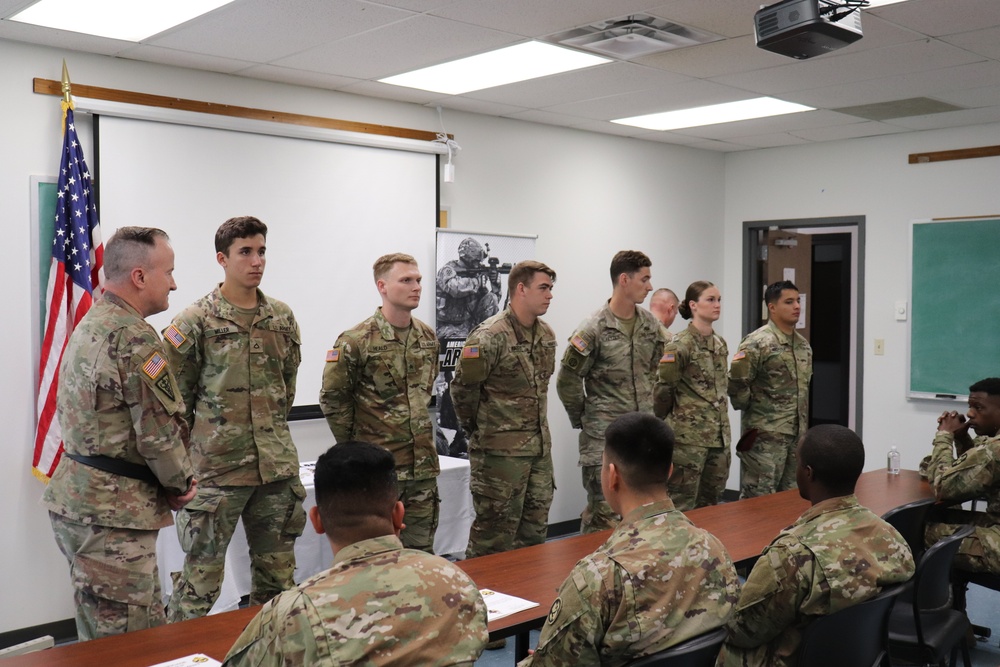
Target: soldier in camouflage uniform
[[974, 474], [657, 581], [236, 356], [694, 372], [836, 555], [377, 385], [125, 465], [664, 304], [769, 381], [609, 369], [501, 397], [463, 301], [379, 604]]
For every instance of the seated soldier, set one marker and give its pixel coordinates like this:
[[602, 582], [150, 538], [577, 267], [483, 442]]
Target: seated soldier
[[379, 604], [836, 555], [657, 581], [974, 474]]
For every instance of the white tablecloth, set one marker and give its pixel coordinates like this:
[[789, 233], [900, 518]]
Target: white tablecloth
[[312, 551]]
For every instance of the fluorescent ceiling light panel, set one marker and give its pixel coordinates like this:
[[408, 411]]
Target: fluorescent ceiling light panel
[[130, 20], [729, 112], [510, 64]]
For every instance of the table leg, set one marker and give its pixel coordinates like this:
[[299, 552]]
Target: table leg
[[521, 646]]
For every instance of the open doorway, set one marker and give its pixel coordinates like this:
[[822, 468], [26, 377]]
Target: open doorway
[[824, 257]]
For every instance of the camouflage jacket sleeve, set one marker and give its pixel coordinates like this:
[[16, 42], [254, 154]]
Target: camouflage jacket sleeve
[[668, 376], [772, 595], [471, 371], [742, 374], [280, 634], [574, 630], [290, 369], [186, 359], [970, 476], [576, 364], [340, 376]]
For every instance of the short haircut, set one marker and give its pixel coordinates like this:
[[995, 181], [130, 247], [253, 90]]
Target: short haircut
[[989, 386], [242, 227], [524, 272], [628, 262], [642, 447], [383, 265], [664, 291], [774, 290], [129, 248], [694, 292], [836, 455], [355, 483]]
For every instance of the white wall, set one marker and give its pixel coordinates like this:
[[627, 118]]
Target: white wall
[[871, 177], [585, 195]]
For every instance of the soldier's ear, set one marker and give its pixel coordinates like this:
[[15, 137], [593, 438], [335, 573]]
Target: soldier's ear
[[397, 516], [316, 520]]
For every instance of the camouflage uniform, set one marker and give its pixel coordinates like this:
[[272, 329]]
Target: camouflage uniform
[[117, 399], [463, 301], [769, 381], [975, 474], [656, 582], [501, 397], [836, 555], [238, 386], [376, 388], [603, 375], [694, 372], [379, 604]]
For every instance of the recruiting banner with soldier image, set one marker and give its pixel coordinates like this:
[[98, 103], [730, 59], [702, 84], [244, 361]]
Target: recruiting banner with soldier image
[[471, 286]]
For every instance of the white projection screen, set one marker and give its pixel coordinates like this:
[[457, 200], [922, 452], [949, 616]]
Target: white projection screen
[[331, 210]]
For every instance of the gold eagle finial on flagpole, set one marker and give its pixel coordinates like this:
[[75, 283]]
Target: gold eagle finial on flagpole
[[65, 84]]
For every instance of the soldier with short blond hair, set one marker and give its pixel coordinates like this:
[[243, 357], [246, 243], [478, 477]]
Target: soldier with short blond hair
[[377, 386]]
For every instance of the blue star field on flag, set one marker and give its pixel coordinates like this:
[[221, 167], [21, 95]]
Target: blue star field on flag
[[76, 213]]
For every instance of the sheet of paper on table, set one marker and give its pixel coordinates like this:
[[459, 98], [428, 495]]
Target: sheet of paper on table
[[196, 660], [499, 605]]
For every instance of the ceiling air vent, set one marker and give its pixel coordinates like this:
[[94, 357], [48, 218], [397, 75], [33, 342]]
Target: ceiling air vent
[[632, 36]]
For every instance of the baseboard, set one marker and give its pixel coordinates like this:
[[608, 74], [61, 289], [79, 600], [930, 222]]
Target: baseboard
[[61, 631], [563, 528]]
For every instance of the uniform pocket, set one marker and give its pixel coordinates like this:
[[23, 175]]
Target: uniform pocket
[[196, 522]]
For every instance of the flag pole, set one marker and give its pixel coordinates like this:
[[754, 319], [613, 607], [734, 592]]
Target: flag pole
[[67, 97]]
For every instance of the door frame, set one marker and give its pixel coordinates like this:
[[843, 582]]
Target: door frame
[[751, 302]]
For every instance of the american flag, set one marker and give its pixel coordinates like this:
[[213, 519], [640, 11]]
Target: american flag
[[74, 283]]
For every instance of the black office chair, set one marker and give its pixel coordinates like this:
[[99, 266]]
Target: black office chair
[[855, 636], [910, 520], [700, 651], [928, 629]]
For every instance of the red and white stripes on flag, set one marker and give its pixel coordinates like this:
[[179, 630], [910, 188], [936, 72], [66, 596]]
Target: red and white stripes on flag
[[74, 284]]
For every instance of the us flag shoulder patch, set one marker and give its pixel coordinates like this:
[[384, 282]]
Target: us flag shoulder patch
[[470, 352], [579, 343], [333, 355], [739, 355], [668, 358], [154, 366], [174, 336]]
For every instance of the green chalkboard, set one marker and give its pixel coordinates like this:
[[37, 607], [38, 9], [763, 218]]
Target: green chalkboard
[[955, 306], [46, 231]]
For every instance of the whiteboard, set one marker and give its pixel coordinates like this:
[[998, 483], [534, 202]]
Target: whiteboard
[[331, 211]]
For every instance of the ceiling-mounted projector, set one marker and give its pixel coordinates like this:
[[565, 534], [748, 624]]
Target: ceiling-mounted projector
[[806, 28]]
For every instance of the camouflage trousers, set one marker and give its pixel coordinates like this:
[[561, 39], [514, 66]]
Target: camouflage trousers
[[272, 518], [512, 496], [422, 506], [116, 585], [699, 477], [980, 551], [597, 515], [768, 466]]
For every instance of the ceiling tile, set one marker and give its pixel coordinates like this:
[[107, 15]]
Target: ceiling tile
[[459, 103], [683, 95], [852, 131], [730, 18], [297, 77], [156, 54], [973, 97], [985, 42], [769, 125], [265, 30], [536, 18], [952, 119], [941, 17], [772, 140]]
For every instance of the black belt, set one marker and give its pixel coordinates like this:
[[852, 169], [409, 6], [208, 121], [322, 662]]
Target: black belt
[[116, 466]]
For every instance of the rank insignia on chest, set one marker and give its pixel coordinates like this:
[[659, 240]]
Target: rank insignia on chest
[[739, 355], [668, 358], [470, 352], [333, 355], [154, 366], [174, 336], [579, 343]]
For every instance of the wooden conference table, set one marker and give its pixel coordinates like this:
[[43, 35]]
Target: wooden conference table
[[745, 527]]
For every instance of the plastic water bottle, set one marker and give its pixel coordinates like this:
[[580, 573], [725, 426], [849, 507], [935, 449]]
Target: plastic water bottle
[[892, 461]]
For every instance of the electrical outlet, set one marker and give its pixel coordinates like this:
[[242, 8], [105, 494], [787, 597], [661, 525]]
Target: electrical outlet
[[879, 346]]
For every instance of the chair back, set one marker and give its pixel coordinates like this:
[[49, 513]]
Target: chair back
[[700, 651], [932, 580], [855, 636], [909, 520]]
